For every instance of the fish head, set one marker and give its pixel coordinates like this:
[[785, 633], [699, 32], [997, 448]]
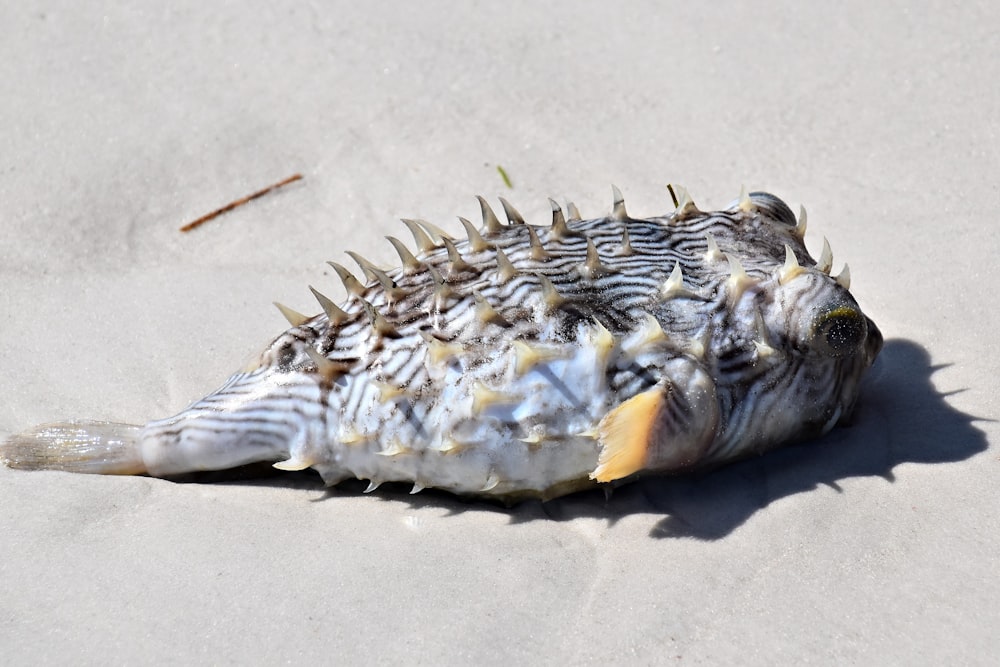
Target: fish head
[[798, 344], [819, 345]]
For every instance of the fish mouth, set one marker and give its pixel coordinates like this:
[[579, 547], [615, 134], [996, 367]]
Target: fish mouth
[[873, 343], [872, 346]]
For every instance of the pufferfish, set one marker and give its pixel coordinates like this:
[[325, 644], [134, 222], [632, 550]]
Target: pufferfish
[[529, 361]]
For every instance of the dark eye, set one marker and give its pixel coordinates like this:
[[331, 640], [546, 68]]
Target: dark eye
[[839, 331]]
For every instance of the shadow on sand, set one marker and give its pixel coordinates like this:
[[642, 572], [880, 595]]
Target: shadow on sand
[[900, 418]]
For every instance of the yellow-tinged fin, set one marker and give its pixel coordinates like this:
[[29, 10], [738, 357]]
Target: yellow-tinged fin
[[626, 435]]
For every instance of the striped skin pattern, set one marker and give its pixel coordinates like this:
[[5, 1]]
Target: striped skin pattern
[[530, 361]]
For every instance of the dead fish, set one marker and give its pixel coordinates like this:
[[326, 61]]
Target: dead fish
[[529, 361]]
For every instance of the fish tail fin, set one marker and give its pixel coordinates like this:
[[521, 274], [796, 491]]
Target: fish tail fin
[[95, 447]]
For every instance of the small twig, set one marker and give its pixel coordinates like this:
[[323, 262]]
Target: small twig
[[673, 195], [239, 202]]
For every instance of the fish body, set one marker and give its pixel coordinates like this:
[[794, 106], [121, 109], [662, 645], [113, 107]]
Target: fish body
[[529, 361]]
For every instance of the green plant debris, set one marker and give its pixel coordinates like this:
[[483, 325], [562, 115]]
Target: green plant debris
[[505, 177]]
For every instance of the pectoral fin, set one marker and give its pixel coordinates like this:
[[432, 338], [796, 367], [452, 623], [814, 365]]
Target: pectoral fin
[[626, 434], [667, 427]]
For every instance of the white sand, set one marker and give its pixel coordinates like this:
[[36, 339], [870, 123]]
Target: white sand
[[878, 544]]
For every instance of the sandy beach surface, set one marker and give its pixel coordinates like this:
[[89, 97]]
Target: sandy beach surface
[[877, 544]]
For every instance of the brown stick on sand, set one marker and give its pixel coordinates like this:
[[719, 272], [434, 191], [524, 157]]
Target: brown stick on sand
[[239, 202]]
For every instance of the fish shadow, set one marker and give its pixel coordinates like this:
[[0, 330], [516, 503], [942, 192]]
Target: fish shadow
[[900, 418]]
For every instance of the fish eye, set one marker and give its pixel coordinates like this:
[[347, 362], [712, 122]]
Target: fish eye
[[839, 331]]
